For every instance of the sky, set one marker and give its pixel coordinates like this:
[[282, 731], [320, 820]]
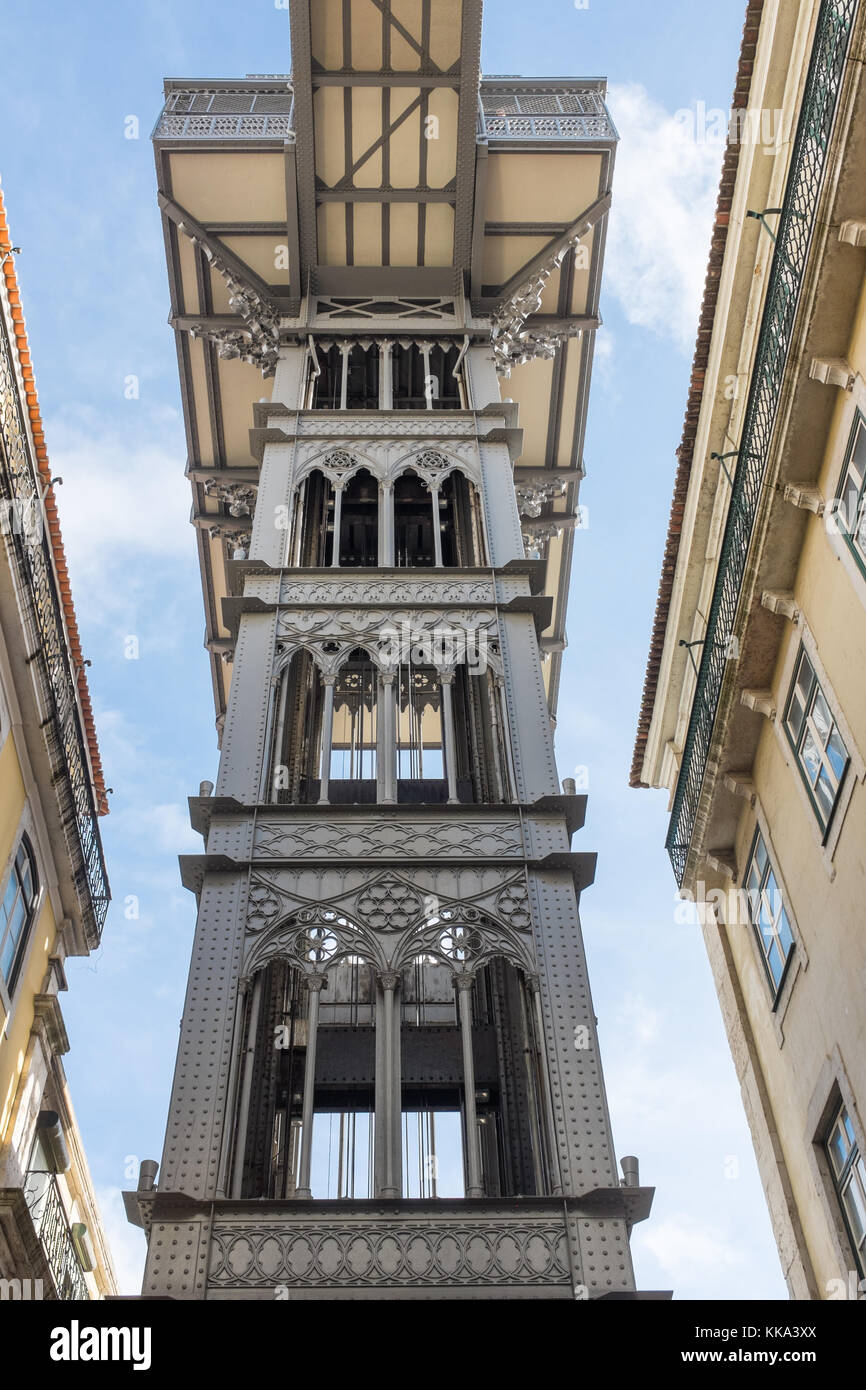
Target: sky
[[81, 201]]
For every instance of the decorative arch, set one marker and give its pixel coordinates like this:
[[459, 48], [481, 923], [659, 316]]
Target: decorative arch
[[473, 637], [464, 938], [339, 465], [330, 654], [433, 465], [313, 939], [439, 687], [320, 487]]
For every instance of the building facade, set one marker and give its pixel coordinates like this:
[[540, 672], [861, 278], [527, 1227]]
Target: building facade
[[54, 891], [754, 713], [388, 1081]]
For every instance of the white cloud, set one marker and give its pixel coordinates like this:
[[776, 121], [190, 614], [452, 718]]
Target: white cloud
[[637, 1016], [133, 760], [684, 1246], [604, 359], [664, 192], [124, 498], [166, 827], [650, 1097], [122, 743]]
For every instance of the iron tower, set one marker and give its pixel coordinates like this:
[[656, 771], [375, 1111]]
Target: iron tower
[[388, 1081]]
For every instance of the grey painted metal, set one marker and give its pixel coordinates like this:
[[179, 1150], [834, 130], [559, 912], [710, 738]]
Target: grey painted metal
[[314, 985], [470, 1117], [278, 861], [368, 872], [246, 1086]]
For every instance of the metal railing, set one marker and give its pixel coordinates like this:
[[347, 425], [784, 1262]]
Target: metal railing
[[30, 546], [52, 1229], [507, 114], [797, 220], [503, 114], [226, 115]]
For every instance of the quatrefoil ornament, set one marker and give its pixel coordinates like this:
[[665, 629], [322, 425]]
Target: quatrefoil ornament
[[263, 907], [513, 906], [389, 905], [460, 944], [315, 945]]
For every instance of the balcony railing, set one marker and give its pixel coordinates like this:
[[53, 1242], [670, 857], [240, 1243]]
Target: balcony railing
[[54, 1235], [29, 542], [519, 113], [514, 111], [194, 114], [808, 162]]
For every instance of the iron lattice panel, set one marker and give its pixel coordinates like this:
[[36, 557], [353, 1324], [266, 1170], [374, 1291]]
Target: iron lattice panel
[[380, 1253], [525, 115], [794, 237], [241, 115]]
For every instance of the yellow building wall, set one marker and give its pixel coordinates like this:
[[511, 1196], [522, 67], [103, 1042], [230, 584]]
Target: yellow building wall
[[12, 800], [12, 797], [826, 1004], [16, 1030], [14, 1044]]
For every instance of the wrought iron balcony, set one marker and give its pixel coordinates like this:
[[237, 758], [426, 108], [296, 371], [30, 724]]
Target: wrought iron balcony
[[512, 109], [30, 545], [796, 224], [241, 112], [55, 1237], [517, 109]]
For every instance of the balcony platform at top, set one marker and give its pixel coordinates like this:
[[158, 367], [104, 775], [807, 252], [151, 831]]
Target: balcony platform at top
[[385, 186], [261, 109]]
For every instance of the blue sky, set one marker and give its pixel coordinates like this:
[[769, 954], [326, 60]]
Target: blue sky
[[81, 201]]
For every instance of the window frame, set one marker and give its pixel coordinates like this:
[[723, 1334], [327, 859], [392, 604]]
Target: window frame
[[858, 428], [807, 726], [414, 362], [769, 870], [23, 852], [853, 1169]]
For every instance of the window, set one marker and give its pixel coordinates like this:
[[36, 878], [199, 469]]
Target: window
[[420, 1126], [414, 505], [811, 728], [420, 748], [348, 377], [295, 772], [354, 762], [423, 377], [767, 913], [850, 511], [848, 1167], [358, 541], [16, 913], [385, 375]]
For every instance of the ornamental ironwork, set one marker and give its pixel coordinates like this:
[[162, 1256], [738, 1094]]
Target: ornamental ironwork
[[52, 1231], [29, 549], [796, 225], [513, 114], [194, 114]]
